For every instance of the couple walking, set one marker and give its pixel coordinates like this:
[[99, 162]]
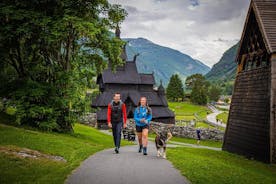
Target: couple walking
[[116, 119]]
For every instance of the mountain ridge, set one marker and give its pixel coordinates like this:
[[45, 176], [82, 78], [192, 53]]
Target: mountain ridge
[[162, 61], [225, 68]]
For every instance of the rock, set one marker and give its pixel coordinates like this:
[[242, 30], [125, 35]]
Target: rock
[[185, 131], [89, 119]]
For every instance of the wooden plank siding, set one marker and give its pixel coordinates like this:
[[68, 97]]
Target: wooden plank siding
[[273, 110], [251, 128], [248, 123]]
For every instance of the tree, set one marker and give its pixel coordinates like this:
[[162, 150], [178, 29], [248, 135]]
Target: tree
[[199, 96], [55, 47], [214, 93], [199, 86], [175, 88]]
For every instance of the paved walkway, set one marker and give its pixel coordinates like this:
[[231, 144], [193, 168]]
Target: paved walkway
[[128, 167], [212, 118]]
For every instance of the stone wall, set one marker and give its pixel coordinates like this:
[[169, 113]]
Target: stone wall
[[185, 131], [89, 119], [190, 132], [178, 131]]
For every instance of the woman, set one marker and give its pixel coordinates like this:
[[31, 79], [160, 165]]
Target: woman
[[142, 117]]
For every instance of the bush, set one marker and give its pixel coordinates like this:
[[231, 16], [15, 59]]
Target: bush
[[41, 105]]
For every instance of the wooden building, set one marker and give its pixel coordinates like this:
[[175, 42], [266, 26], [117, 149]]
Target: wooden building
[[132, 85], [251, 129]]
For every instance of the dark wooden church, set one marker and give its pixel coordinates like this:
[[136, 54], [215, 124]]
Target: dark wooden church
[[251, 129], [132, 85]]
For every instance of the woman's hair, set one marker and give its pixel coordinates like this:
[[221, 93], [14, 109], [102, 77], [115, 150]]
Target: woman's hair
[[139, 103], [147, 105]]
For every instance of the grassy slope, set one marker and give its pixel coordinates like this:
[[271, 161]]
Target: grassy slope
[[198, 165], [185, 110], [210, 143], [208, 166], [74, 148], [223, 116]]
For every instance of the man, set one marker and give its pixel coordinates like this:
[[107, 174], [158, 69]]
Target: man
[[116, 119], [198, 133]]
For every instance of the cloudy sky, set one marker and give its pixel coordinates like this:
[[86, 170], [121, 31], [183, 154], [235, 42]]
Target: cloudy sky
[[203, 29]]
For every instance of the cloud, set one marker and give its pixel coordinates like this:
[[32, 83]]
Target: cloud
[[203, 29]]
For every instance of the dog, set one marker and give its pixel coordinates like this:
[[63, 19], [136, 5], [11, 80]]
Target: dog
[[160, 142]]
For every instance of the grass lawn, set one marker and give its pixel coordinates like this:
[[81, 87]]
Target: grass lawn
[[185, 117], [210, 143], [223, 116], [202, 166], [72, 147], [186, 110]]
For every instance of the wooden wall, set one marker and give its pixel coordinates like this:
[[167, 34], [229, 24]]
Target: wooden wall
[[248, 126], [273, 109]]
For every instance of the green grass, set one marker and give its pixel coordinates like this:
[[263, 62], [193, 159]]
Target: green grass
[[185, 117], [203, 114], [223, 116], [210, 143], [73, 147], [186, 110], [206, 125], [203, 125], [202, 166]]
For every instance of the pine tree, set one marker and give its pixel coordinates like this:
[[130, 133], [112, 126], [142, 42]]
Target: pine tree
[[175, 88]]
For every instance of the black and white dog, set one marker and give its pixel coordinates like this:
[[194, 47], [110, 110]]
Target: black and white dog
[[160, 142]]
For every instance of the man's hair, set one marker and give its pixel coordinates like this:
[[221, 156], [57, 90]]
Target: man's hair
[[117, 93]]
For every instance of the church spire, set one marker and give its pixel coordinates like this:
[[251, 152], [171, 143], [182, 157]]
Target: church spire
[[161, 89], [118, 35], [135, 57], [118, 32]]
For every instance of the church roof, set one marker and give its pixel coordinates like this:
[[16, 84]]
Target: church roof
[[265, 12], [153, 98], [126, 74]]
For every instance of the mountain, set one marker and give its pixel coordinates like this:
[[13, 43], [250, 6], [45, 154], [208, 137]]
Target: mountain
[[163, 61], [223, 73], [225, 69]]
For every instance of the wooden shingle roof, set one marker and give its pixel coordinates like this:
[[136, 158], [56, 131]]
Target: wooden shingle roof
[[265, 12], [127, 74]]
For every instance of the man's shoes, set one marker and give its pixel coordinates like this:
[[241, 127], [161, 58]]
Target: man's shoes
[[145, 151], [140, 148], [116, 150]]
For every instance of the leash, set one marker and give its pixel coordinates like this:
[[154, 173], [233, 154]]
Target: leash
[[154, 131]]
